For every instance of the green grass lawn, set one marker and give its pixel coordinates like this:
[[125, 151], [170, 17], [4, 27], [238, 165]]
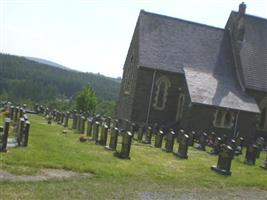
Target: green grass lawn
[[149, 170]]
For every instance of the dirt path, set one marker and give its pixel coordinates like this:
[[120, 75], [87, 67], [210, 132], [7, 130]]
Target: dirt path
[[43, 175]]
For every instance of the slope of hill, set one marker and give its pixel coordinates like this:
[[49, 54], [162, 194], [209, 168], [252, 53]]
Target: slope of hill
[[23, 78], [47, 62]]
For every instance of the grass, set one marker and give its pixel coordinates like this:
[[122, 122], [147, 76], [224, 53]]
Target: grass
[[149, 169]]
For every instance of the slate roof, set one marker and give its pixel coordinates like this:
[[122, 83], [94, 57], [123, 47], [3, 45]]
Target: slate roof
[[253, 53], [203, 53]]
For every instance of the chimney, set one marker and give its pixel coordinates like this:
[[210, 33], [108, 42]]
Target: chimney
[[242, 8]]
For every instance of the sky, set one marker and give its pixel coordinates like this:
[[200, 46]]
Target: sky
[[94, 35]]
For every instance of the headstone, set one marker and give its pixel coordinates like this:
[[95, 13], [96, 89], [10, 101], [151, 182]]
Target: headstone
[[25, 137], [216, 146], [115, 123], [82, 124], [20, 131], [170, 137], [239, 146], [95, 132], [251, 154], [21, 111], [74, 122], [202, 142], [183, 147], [108, 121], [62, 117], [141, 131], [49, 120], [113, 139], [78, 122], [180, 135], [104, 135], [16, 114], [133, 129], [158, 139], [66, 123], [224, 161], [260, 145], [225, 139], [126, 146], [264, 166], [191, 138], [155, 129], [89, 127], [148, 135], [3, 145], [211, 139], [12, 112], [232, 143]]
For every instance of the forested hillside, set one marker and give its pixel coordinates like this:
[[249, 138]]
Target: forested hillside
[[25, 79]]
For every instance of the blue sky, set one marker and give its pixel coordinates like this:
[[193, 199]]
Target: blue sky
[[94, 35]]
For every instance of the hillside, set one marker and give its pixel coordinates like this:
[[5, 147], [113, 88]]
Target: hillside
[[26, 79], [47, 62]]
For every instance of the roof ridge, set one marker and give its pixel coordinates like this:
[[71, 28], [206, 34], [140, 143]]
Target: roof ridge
[[181, 20], [249, 15]]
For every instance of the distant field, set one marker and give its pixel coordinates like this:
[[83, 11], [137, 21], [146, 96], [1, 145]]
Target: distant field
[[149, 174]]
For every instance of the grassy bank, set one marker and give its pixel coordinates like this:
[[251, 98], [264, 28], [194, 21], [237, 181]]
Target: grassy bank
[[149, 170]]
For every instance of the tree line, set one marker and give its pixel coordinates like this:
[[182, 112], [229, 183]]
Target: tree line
[[25, 80]]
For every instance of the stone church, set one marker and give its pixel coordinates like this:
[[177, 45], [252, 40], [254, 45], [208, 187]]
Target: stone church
[[197, 77]]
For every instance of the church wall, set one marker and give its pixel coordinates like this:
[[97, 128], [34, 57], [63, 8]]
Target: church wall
[[202, 119]]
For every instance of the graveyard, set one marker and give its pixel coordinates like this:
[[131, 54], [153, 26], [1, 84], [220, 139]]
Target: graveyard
[[150, 173]]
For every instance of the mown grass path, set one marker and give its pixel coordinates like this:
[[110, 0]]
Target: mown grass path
[[150, 174]]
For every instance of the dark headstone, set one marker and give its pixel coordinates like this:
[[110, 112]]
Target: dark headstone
[[113, 139], [115, 123], [260, 145], [251, 154], [25, 137], [202, 142], [216, 146], [239, 146], [82, 125], [104, 135], [232, 143], [16, 114], [155, 129], [191, 138], [183, 147], [141, 132], [225, 139], [211, 139], [89, 127], [66, 123], [62, 117], [224, 161], [264, 166], [180, 135], [3, 145], [20, 131], [95, 132], [74, 122], [108, 121], [170, 137], [158, 139], [126, 146], [49, 120], [148, 135], [12, 108]]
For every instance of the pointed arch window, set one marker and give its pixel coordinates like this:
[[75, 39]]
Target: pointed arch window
[[162, 86], [224, 119]]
